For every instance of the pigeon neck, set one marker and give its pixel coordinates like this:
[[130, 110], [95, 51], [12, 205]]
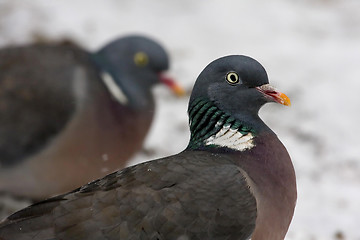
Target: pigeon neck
[[123, 88], [213, 128]]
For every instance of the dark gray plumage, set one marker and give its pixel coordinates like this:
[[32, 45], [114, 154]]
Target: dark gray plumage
[[68, 116], [235, 180]]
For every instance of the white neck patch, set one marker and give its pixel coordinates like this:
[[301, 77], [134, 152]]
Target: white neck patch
[[231, 138], [114, 88]]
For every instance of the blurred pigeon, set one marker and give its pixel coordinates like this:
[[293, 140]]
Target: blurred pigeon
[[68, 116], [235, 180]]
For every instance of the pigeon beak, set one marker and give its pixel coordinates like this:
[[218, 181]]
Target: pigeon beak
[[174, 86], [274, 95]]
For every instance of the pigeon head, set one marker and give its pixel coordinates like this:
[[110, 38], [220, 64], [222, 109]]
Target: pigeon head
[[236, 84], [134, 64], [229, 93]]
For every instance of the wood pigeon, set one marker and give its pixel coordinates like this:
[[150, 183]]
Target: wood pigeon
[[68, 116], [235, 179]]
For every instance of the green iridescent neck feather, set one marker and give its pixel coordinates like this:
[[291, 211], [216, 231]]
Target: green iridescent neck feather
[[206, 120]]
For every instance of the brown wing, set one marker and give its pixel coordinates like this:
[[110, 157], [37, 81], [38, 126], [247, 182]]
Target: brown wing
[[193, 194], [36, 97]]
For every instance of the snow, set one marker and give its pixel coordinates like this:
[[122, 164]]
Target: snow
[[311, 52]]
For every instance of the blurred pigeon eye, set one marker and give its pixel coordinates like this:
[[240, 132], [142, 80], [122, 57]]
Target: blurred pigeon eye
[[141, 59], [232, 78]]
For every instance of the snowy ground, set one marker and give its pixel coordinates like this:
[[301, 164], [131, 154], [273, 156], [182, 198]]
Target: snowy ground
[[311, 50]]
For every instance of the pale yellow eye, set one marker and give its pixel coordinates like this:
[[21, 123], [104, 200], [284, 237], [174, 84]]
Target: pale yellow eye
[[141, 59], [232, 78]]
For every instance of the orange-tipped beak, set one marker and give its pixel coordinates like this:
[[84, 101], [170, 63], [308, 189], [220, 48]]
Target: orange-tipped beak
[[271, 93], [174, 86], [285, 100]]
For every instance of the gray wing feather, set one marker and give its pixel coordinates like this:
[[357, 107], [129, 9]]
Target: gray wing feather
[[187, 196], [36, 96]]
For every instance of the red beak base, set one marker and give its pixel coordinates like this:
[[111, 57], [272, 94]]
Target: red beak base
[[174, 86], [274, 95]]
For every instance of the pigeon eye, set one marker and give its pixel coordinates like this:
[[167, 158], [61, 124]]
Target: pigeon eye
[[141, 59], [232, 78]]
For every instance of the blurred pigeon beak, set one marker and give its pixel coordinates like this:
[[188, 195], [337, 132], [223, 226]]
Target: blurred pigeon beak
[[175, 87], [274, 95]]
